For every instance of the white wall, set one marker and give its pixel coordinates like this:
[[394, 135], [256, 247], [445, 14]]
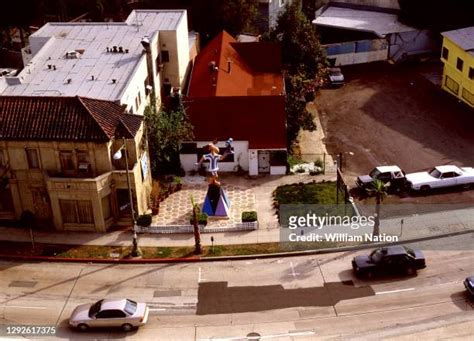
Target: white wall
[[253, 162], [177, 44], [360, 57], [411, 43]]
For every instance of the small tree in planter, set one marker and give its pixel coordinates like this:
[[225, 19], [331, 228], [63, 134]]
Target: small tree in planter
[[195, 223], [144, 220], [178, 183]]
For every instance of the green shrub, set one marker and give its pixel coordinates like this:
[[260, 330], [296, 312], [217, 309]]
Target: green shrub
[[319, 163], [294, 160], [144, 220], [249, 216]]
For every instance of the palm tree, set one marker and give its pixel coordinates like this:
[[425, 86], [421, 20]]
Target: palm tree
[[197, 233], [379, 190]]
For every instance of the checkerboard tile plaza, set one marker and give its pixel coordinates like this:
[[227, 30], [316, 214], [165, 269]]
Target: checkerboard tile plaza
[[176, 209]]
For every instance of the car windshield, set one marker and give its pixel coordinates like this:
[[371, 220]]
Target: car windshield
[[130, 307], [376, 255], [336, 72], [410, 251], [375, 173], [435, 173], [95, 308]]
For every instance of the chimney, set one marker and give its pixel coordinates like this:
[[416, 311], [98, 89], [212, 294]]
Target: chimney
[[229, 65]]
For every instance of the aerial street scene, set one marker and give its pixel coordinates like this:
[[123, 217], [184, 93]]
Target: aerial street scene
[[233, 170]]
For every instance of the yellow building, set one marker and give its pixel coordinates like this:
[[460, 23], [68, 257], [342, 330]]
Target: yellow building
[[56, 160], [458, 58]]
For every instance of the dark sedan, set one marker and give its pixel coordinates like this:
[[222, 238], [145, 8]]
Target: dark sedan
[[389, 260], [469, 285]]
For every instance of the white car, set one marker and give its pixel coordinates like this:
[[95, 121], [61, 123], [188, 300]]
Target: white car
[[122, 313], [441, 176], [336, 78]]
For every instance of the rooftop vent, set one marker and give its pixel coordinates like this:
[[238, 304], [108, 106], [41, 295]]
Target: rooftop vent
[[69, 80], [114, 81], [114, 49], [120, 49]]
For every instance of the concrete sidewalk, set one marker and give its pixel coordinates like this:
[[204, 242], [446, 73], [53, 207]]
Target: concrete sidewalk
[[415, 226]]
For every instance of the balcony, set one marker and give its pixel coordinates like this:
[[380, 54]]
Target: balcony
[[58, 182]]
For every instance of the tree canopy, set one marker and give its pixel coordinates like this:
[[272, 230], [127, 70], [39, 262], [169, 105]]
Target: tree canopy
[[166, 130], [304, 61], [301, 50]]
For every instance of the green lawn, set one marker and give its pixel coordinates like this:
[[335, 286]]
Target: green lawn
[[322, 193]]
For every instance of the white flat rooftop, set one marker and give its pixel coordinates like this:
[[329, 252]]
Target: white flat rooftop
[[92, 72], [361, 20], [463, 37]]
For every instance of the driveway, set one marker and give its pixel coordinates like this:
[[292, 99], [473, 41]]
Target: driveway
[[390, 114]]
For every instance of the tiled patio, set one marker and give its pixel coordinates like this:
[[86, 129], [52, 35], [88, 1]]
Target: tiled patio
[[176, 209]]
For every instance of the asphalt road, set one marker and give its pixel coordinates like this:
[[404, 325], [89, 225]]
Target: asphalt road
[[299, 298]]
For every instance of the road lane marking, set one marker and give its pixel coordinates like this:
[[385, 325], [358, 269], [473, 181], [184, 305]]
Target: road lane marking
[[200, 279], [23, 307], [293, 270], [393, 291], [291, 334]]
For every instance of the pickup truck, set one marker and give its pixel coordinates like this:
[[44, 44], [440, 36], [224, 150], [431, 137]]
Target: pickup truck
[[441, 177], [392, 174]]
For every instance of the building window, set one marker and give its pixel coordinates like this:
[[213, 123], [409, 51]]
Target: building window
[[32, 156], [83, 163], [471, 73], [76, 211], [445, 53], [164, 56], [459, 64], [67, 163], [452, 85], [468, 96]]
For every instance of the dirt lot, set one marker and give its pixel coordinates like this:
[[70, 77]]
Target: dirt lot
[[390, 114]]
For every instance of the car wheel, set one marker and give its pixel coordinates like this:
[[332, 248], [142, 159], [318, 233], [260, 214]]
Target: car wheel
[[425, 189], [127, 327], [83, 327], [467, 186], [411, 271]]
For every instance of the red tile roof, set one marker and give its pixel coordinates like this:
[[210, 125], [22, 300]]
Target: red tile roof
[[254, 69], [247, 103], [64, 119], [261, 120]]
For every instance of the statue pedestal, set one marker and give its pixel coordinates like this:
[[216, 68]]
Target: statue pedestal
[[216, 203]]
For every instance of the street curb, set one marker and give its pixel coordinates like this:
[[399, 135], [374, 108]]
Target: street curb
[[226, 258]]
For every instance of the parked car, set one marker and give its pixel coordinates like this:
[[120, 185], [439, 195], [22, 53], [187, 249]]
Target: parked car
[[336, 78], [389, 260], [392, 174], [441, 177], [123, 313], [469, 284]]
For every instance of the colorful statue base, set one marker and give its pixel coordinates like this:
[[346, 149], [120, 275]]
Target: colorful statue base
[[216, 203]]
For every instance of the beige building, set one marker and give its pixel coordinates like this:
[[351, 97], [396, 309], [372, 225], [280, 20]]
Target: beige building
[[56, 160]]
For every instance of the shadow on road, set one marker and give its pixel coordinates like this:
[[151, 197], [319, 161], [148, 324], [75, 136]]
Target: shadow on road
[[219, 298]]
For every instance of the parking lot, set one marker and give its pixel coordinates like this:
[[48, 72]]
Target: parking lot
[[390, 114]]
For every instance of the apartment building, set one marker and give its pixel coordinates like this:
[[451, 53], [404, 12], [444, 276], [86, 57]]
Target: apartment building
[[457, 54], [56, 160]]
